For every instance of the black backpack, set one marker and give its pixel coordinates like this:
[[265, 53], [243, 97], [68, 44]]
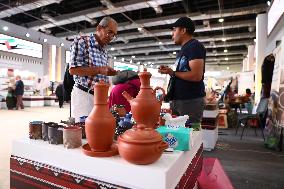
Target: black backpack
[[68, 83]]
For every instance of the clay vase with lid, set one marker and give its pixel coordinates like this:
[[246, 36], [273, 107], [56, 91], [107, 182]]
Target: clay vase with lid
[[100, 124], [145, 107], [141, 145]]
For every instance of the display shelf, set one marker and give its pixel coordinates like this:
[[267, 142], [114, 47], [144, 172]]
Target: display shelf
[[173, 170]]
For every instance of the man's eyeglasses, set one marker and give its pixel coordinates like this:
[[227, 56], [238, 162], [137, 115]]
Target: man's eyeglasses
[[111, 34]]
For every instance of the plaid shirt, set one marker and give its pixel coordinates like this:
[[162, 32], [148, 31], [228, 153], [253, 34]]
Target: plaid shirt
[[85, 51]]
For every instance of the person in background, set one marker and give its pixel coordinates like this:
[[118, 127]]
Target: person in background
[[59, 92], [189, 89], [11, 100], [130, 83], [89, 64], [248, 93], [19, 91]]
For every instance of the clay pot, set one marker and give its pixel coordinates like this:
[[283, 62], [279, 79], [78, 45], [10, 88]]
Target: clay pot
[[145, 107], [44, 129], [141, 145], [55, 134], [100, 124], [72, 137], [35, 130]]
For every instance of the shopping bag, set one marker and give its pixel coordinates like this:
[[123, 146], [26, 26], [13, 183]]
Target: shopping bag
[[213, 176]]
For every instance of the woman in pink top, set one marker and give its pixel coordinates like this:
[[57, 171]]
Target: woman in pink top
[[131, 85]]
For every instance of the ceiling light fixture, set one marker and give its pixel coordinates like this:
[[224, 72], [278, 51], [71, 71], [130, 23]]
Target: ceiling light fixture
[[174, 52], [160, 43], [139, 29], [254, 40], [28, 35], [130, 61], [228, 67], [5, 28], [227, 58], [122, 59], [133, 56], [45, 40], [221, 20], [114, 58], [225, 50], [62, 44], [138, 63], [112, 48], [268, 3], [223, 39]]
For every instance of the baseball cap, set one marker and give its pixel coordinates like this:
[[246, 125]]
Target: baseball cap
[[185, 22]]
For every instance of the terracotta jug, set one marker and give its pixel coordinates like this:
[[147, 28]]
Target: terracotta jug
[[100, 124], [145, 107]]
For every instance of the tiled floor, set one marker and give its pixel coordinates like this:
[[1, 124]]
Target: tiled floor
[[15, 124]]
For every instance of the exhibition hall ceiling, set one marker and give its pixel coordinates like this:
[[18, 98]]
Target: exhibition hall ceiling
[[144, 35]]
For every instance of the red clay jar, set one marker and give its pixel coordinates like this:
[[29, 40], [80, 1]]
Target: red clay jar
[[100, 124], [145, 107], [141, 145]]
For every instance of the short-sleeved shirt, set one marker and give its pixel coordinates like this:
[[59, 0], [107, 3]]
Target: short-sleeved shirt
[[184, 89], [86, 51]]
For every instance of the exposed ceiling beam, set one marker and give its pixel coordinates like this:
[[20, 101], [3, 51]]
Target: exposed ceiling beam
[[153, 43], [127, 55], [25, 7], [213, 27], [98, 12]]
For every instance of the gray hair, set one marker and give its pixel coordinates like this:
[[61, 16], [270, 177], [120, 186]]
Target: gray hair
[[106, 20]]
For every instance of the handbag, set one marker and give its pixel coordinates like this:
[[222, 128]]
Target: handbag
[[170, 89]]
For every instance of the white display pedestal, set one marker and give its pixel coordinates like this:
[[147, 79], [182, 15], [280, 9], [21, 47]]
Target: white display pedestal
[[210, 136], [165, 173], [33, 101], [50, 101]]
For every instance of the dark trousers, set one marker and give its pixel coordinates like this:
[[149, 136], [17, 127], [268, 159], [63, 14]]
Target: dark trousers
[[20, 102], [61, 100]]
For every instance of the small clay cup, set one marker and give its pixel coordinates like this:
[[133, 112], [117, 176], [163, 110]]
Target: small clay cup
[[45, 126], [55, 134], [35, 130], [72, 137]]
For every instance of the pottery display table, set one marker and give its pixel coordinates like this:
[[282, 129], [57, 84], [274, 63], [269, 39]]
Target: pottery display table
[[50, 101], [35, 163], [33, 101]]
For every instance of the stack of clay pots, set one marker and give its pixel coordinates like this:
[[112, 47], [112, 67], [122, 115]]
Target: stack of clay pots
[[54, 133], [143, 144]]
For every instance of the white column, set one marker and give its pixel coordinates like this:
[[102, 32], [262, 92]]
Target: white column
[[245, 62], [261, 42], [250, 64]]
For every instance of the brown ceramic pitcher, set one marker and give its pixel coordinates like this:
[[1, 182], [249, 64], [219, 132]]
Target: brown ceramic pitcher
[[145, 107], [100, 124]]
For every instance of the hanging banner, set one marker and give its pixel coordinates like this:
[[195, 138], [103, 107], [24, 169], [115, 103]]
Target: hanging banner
[[20, 46]]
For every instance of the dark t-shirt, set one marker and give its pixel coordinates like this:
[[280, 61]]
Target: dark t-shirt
[[193, 49]]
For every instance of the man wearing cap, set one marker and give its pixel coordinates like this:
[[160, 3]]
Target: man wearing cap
[[189, 89]]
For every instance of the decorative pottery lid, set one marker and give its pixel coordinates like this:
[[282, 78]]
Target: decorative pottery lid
[[141, 134]]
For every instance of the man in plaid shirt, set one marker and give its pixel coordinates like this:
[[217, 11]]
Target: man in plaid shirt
[[89, 64]]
